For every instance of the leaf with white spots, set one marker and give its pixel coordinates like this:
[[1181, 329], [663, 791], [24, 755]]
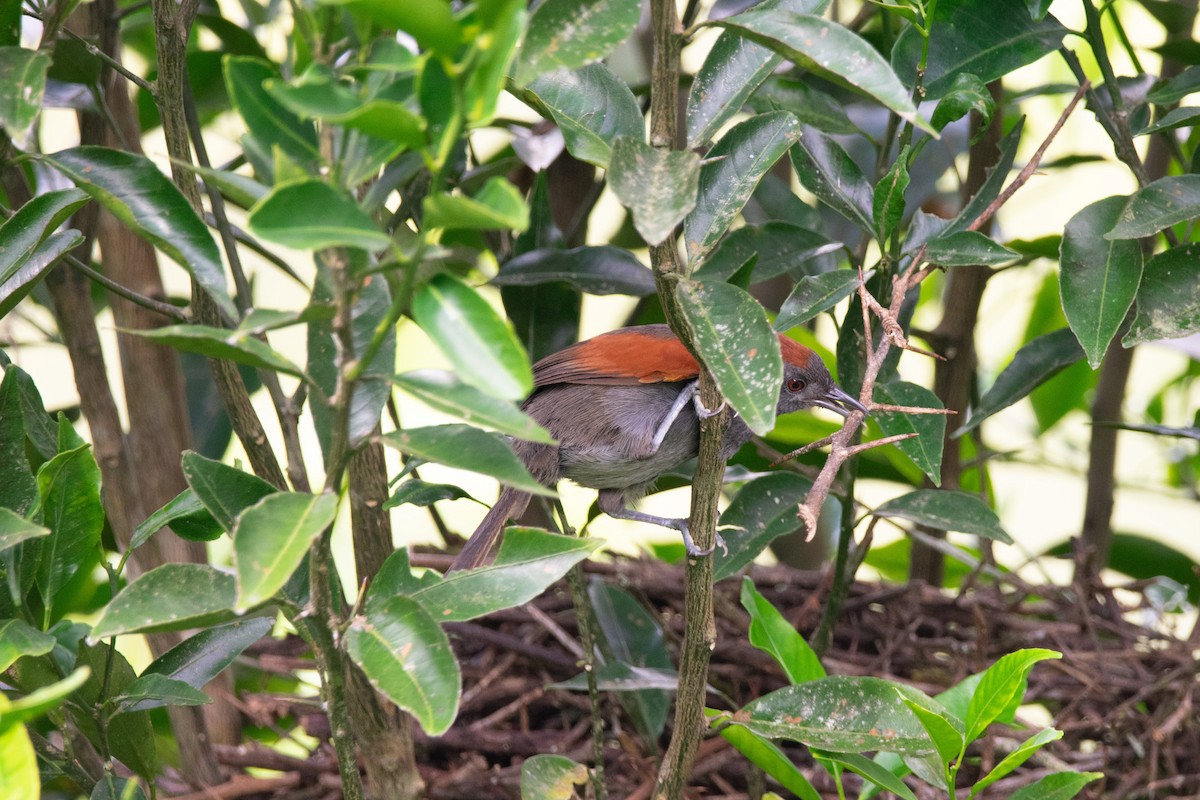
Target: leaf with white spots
[[270, 539], [170, 598]]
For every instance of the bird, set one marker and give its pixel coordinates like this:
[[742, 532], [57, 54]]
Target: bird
[[624, 408]]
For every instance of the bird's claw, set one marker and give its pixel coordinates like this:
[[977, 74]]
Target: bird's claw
[[693, 550], [706, 413]]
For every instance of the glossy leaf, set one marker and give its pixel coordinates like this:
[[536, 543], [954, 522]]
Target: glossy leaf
[[1168, 302], [317, 94], [498, 206], [224, 490], [155, 691], [69, 488], [887, 206], [981, 37], [18, 488], [733, 168], [926, 449], [1175, 118], [1033, 365], [811, 103], [15, 529], [169, 598], [843, 714], [967, 93], [422, 493], [733, 69], [130, 736], [873, 772], [968, 248], [18, 638], [406, 656], [763, 510], [23, 281], [241, 190], [814, 294], [945, 510], [550, 777], [200, 658], [312, 215], [40, 701], [133, 190], [223, 343], [465, 447], [826, 170], [32, 224], [772, 634], [767, 756], [776, 248], [19, 778], [1001, 685], [185, 515], [600, 270], [828, 49], [1017, 757], [657, 185], [1099, 277], [737, 344], [1175, 88], [22, 85], [572, 33], [592, 107], [1159, 205], [529, 560], [271, 538], [481, 346], [1056, 786], [443, 391], [270, 124]]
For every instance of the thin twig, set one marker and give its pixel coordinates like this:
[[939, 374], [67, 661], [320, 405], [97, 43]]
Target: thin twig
[[158, 306]]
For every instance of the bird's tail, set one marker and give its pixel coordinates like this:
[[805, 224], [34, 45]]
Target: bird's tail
[[478, 549]]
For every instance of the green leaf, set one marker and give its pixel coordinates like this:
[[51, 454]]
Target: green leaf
[[1001, 685], [19, 778], [270, 539], [469, 448], [571, 33], [185, 515], [1168, 302], [767, 756], [15, 529], [985, 38], [572, 97], [38, 702], [498, 206], [776, 248], [811, 103], [1175, 88], [814, 294], [967, 93], [200, 658], [873, 772], [1033, 365], [271, 125], [548, 777], [968, 248], [1175, 118], [25, 231], [733, 69], [241, 190], [478, 342], [35, 267], [732, 170], [926, 449], [169, 598], [657, 185], [888, 202], [1016, 758], [312, 215], [1159, 205], [1099, 277], [18, 489], [231, 345], [225, 491], [601, 270], [1056, 786], [133, 190], [22, 85], [946, 511], [765, 509], [110, 787], [443, 391], [945, 730], [155, 691], [18, 638], [495, 50], [529, 561], [69, 488], [828, 49], [843, 714], [406, 655], [737, 344], [317, 94], [772, 634], [826, 170], [430, 22], [130, 736], [420, 493]]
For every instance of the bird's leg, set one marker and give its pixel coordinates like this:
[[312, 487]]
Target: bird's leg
[[612, 502], [689, 393]]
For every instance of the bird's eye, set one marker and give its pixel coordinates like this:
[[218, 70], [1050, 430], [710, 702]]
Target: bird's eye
[[795, 385]]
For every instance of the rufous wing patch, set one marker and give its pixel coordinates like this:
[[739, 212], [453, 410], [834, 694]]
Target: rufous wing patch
[[643, 354]]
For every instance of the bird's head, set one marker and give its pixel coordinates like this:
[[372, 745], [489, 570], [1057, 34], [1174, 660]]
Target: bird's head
[[807, 383]]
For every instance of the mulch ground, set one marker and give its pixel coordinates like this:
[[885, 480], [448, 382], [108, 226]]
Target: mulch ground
[[1122, 693]]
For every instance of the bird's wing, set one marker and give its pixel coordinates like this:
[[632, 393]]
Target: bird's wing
[[629, 356]]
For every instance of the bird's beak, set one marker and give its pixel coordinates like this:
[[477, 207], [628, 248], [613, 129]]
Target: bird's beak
[[839, 402]]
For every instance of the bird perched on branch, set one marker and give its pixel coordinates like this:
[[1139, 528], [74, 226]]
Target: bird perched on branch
[[624, 409]]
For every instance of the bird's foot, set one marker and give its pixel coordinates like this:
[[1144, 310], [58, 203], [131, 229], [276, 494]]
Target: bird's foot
[[693, 550]]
